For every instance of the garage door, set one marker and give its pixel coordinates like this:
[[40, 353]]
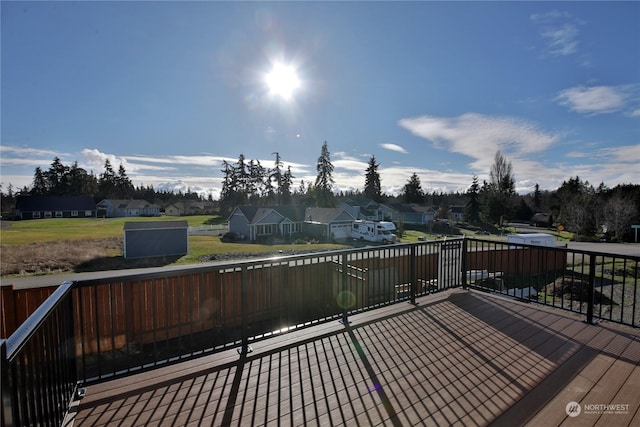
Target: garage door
[[341, 231]]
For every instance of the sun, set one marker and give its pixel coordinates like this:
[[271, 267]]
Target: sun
[[282, 80]]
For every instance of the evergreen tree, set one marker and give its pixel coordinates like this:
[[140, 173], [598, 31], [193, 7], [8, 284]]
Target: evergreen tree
[[285, 189], [40, 185], [229, 189], [577, 206], [412, 190], [57, 178], [537, 198], [372, 187], [472, 208], [123, 186], [107, 182], [324, 180]]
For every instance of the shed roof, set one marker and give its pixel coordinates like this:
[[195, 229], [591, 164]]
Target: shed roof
[[155, 225]]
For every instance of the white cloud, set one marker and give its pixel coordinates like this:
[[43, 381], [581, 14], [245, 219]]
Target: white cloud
[[595, 99], [559, 30], [479, 136], [624, 154], [394, 147], [31, 152]]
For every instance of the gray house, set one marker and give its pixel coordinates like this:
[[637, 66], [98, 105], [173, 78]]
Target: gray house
[[362, 208], [116, 208], [36, 207], [259, 223], [404, 213], [328, 223], [155, 239]]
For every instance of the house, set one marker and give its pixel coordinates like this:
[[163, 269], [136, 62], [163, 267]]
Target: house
[[155, 239], [362, 208], [428, 212], [35, 207], [404, 213], [456, 213], [542, 219], [258, 223], [190, 207], [115, 208], [328, 223]]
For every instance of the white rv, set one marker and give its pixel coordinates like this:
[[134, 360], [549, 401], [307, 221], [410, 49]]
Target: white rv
[[374, 231], [538, 239]]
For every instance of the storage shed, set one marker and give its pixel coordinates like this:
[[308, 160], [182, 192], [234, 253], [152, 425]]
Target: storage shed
[[155, 239]]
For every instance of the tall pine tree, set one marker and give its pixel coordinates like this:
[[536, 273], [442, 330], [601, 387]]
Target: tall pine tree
[[372, 187], [324, 179]]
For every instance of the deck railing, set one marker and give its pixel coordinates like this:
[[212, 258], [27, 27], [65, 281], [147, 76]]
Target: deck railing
[[38, 371], [93, 330]]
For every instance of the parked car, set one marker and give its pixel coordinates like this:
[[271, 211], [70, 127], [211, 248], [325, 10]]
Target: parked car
[[232, 237]]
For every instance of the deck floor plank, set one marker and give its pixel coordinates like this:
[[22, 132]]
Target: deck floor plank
[[456, 358]]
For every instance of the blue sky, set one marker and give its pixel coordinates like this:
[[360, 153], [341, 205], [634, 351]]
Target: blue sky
[[171, 89]]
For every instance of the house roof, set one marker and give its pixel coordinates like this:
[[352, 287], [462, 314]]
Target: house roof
[[255, 213], [129, 203], [422, 208], [361, 202], [327, 215], [55, 203], [400, 207]]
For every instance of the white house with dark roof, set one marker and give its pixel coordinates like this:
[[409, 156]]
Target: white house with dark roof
[[117, 208]]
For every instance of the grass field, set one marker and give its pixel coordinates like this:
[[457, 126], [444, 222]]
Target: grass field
[[60, 245]]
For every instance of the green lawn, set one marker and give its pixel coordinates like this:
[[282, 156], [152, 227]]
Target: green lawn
[[57, 229], [47, 231]]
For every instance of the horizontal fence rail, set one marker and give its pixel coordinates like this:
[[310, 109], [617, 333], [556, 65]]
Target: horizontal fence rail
[[106, 328]]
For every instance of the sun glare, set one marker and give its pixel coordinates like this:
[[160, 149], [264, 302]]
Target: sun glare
[[282, 80]]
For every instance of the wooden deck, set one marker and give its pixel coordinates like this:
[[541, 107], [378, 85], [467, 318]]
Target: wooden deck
[[457, 358]]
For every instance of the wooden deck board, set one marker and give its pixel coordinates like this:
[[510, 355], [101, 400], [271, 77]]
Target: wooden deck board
[[457, 358]]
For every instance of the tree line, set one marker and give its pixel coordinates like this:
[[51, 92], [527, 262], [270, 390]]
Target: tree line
[[65, 180], [248, 182], [576, 205]]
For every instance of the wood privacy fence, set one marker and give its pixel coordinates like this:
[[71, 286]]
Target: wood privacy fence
[[112, 313]]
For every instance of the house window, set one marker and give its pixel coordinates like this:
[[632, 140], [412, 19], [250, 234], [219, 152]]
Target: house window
[[35, 215], [87, 213], [58, 214], [74, 213], [264, 229], [47, 214]]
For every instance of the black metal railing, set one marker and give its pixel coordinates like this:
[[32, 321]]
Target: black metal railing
[[39, 374], [95, 330], [597, 285]]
